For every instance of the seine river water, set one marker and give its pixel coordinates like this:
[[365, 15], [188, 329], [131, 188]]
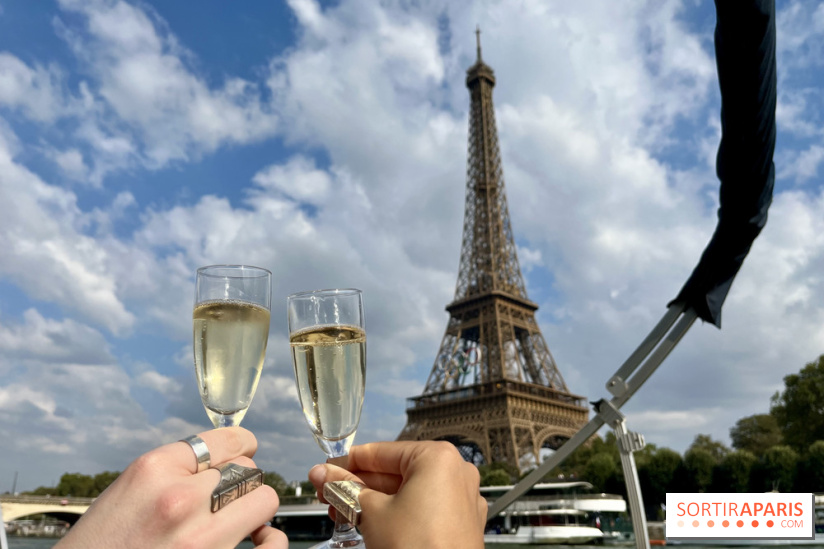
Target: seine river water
[[40, 543], [45, 543]]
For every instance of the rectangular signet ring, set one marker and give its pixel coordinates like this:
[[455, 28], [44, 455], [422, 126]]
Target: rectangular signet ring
[[343, 496]]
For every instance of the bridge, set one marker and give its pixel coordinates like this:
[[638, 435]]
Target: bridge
[[15, 507]]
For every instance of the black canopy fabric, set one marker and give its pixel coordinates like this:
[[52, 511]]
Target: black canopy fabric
[[745, 55]]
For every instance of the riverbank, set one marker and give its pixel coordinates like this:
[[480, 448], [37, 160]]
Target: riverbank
[[37, 528]]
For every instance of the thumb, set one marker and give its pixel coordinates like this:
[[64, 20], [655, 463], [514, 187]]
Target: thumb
[[326, 472], [372, 501]]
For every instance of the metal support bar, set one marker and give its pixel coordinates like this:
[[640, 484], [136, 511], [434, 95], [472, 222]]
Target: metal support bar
[[4, 543], [617, 383], [622, 385], [655, 359], [629, 442]]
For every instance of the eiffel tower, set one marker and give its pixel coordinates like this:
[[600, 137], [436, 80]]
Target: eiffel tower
[[494, 390]]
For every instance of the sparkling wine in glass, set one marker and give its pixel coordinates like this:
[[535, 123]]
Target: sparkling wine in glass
[[327, 337], [230, 333]]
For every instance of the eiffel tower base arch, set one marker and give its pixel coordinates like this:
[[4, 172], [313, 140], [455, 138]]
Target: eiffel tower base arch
[[507, 421]]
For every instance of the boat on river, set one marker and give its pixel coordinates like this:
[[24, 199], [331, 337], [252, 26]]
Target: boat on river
[[304, 521], [544, 527], [559, 513], [47, 527]]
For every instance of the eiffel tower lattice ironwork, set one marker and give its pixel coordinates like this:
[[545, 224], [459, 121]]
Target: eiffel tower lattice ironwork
[[494, 389]]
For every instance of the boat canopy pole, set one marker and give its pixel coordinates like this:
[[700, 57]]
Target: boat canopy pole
[[623, 384]]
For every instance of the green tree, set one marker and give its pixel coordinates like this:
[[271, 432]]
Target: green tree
[[278, 483], [756, 434], [573, 466], [42, 491], [103, 480], [698, 466], [495, 477], [76, 485], [798, 410], [715, 449], [775, 470], [812, 469], [497, 474], [656, 473], [601, 470], [608, 445], [307, 488], [732, 473]]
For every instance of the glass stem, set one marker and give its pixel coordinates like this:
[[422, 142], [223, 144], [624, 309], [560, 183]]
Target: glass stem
[[345, 534]]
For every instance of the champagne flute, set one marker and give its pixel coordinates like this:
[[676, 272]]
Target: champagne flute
[[230, 333], [328, 341]]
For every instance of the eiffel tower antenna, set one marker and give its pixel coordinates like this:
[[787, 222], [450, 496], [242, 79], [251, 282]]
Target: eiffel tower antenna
[[494, 389]]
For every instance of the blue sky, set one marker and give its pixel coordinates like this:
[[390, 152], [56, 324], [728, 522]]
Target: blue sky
[[327, 142]]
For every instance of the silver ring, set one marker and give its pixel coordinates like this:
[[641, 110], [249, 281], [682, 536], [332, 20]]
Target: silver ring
[[204, 458], [235, 481], [344, 496]]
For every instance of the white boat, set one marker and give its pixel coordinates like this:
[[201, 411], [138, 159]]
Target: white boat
[[559, 512], [544, 527], [304, 521]]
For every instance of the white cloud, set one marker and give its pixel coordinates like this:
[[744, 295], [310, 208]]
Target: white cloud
[[299, 179], [36, 91], [61, 416], [529, 258], [47, 339], [142, 76], [45, 250], [805, 165], [276, 388], [71, 163], [801, 27], [308, 13], [398, 388], [792, 112], [158, 382], [19, 396]]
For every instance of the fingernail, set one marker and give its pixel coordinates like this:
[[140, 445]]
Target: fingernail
[[317, 474]]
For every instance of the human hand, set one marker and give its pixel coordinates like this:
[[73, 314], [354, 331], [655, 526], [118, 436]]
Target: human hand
[[419, 494], [160, 501]]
